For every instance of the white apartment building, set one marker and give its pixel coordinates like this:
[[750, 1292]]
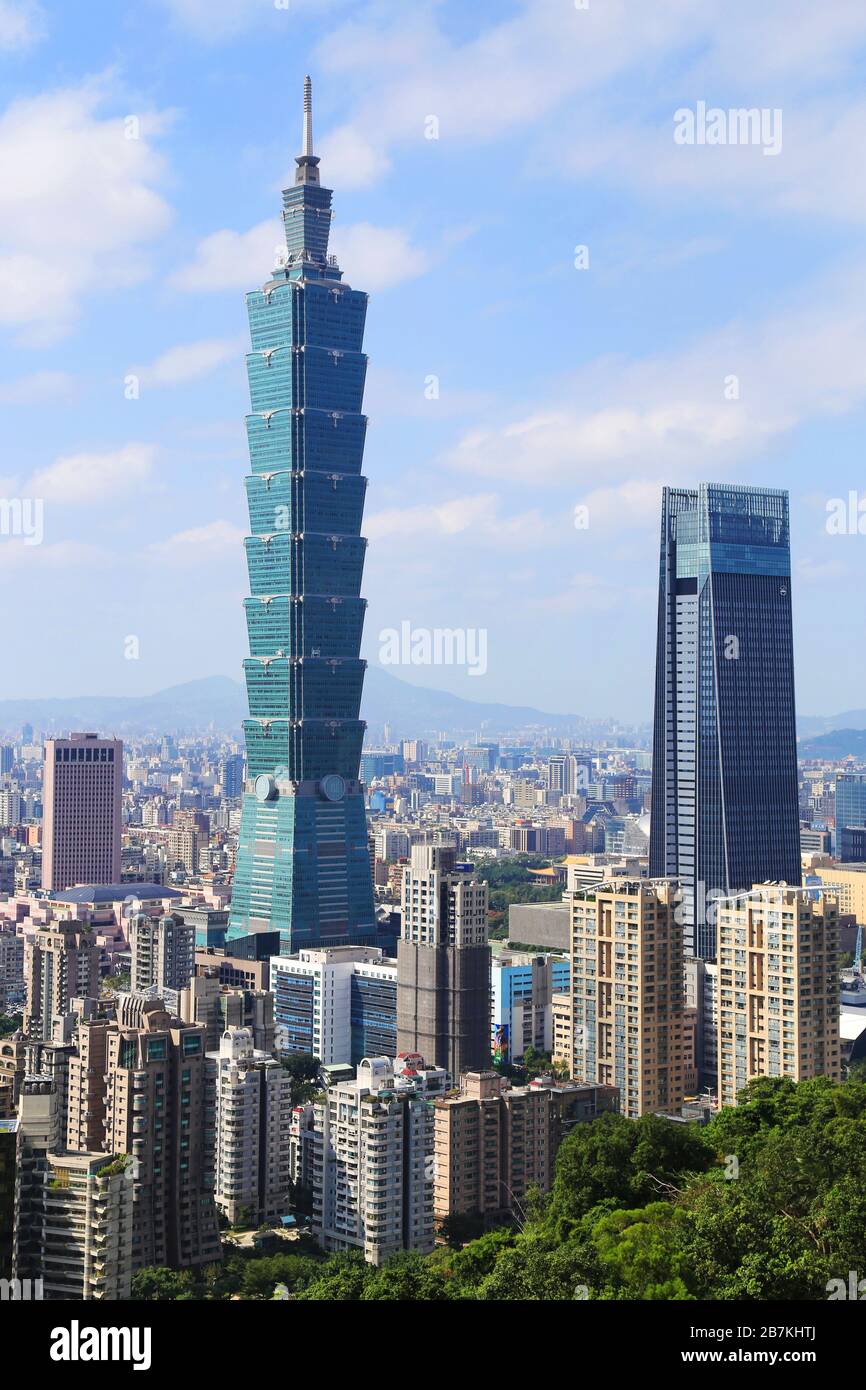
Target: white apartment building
[[442, 905], [372, 1164], [163, 953], [252, 1123]]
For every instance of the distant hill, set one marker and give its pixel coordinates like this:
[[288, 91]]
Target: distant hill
[[810, 725], [841, 743], [219, 703]]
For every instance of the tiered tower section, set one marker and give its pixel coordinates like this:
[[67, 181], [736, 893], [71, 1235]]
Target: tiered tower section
[[303, 865]]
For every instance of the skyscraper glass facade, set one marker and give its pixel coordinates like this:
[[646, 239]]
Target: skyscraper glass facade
[[850, 812], [303, 866], [724, 794]]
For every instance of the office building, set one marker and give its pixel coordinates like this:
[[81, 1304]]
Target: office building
[[232, 777], [334, 1002], [778, 986], [253, 1110], [443, 963], [522, 993], [302, 863], [628, 993], [81, 794], [163, 952], [850, 810], [846, 882], [725, 808], [61, 963], [372, 1141]]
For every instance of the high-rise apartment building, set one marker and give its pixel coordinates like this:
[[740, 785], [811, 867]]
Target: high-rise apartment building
[[724, 792], [628, 993], [253, 1113], [302, 864], [778, 986], [61, 963], [493, 1141], [158, 1109], [372, 1145], [163, 952], [73, 1211], [81, 795], [443, 963]]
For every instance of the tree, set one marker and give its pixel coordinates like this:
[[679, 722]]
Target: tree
[[303, 1068], [158, 1284]]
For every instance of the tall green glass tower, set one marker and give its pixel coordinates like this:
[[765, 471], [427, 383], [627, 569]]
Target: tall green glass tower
[[303, 865]]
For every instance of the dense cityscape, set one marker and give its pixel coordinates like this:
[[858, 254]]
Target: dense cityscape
[[365, 992]]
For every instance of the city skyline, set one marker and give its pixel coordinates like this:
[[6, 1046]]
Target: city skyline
[[713, 331]]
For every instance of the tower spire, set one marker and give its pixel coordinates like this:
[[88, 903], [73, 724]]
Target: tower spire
[[307, 162], [308, 115]]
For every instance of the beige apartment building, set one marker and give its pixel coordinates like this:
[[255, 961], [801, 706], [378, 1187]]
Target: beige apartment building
[[778, 985], [629, 1028], [61, 962], [562, 1051], [492, 1142], [159, 1109], [847, 882]]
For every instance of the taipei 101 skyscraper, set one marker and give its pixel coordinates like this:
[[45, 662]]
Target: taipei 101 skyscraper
[[303, 865]]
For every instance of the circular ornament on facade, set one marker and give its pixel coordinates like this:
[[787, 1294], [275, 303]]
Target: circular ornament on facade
[[266, 787], [333, 787]]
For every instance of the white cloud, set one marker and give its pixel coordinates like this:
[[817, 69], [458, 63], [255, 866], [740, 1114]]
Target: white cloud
[[372, 257], [633, 503], [376, 258], [200, 544], [22, 24], [478, 515], [586, 592], [556, 75], [189, 361], [38, 388], [62, 555], [214, 21], [76, 196], [229, 260], [78, 478], [721, 399]]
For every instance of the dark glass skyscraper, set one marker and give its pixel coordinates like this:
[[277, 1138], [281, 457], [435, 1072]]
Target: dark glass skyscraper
[[303, 866], [724, 792]]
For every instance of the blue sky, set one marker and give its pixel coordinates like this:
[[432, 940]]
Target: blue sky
[[142, 151]]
